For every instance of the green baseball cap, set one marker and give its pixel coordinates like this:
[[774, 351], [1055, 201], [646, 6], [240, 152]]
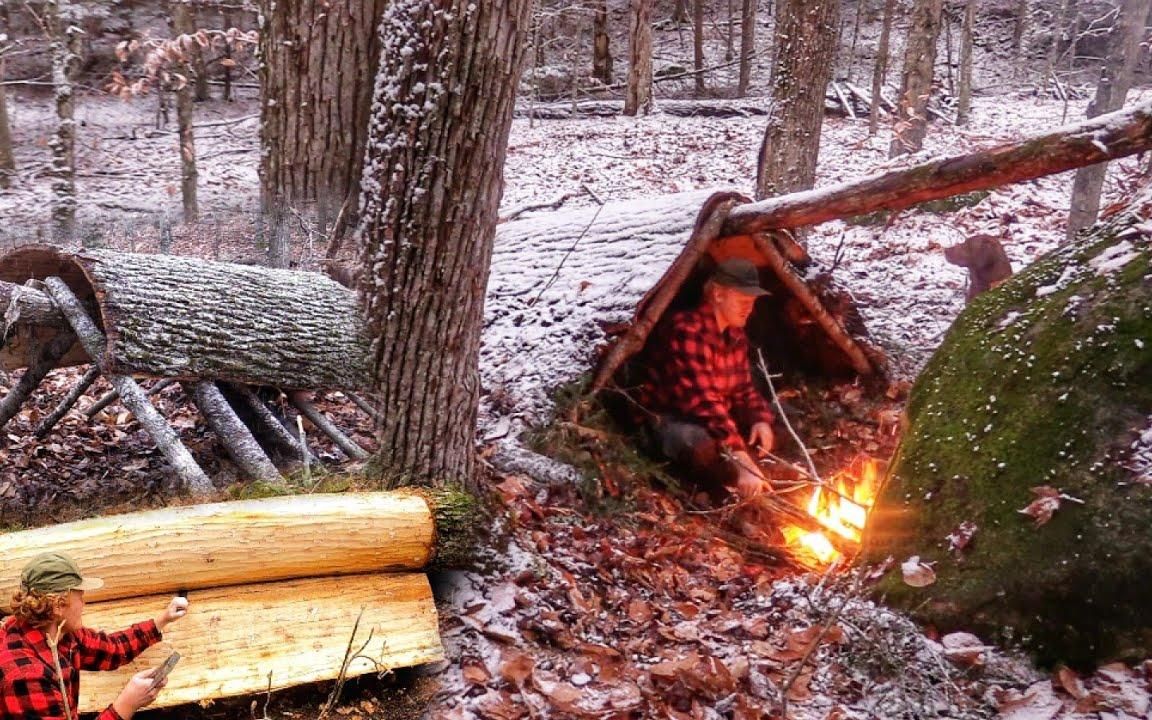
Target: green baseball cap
[[56, 573]]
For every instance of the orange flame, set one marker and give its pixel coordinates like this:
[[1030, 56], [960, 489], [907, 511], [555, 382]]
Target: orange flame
[[841, 505]]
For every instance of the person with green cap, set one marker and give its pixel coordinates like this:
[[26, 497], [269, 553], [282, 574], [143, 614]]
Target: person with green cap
[[44, 646]]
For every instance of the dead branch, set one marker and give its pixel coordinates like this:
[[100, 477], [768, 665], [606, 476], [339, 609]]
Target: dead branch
[[113, 395], [233, 434], [45, 361], [69, 400], [308, 410]]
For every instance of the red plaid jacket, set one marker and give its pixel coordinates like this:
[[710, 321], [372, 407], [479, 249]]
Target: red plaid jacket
[[29, 688], [700, 374]]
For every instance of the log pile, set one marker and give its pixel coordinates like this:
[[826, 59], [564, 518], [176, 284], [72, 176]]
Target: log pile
[[280, 589], [231, 334]]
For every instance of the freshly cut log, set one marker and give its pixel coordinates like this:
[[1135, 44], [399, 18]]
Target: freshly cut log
[[244, 639], [230, 543]]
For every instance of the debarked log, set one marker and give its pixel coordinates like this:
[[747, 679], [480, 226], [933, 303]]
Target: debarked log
[[248, 541], [249, 639]]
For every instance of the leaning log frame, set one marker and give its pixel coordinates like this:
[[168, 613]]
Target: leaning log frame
[[50, 353], [191, 475], [66, 404], [233, 434]]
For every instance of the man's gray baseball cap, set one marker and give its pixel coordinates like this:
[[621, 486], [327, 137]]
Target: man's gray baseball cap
[[739, 274], [56, 573]]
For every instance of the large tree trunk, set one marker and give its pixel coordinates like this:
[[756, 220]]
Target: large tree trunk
[[7, 160], [182, 24], [436, 155], [1115, 80], [66, 40], [601, 48], [318, 64], [747, 46], [638, 94], [806, 35], [916, 84], [880, 69], [964, 99]]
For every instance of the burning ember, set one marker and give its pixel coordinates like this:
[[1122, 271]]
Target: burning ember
[[841, 506]]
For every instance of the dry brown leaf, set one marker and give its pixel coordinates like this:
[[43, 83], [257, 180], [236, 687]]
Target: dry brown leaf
[[1071, 682], [1046, 503], [475, 673], [964, 649], [916, 573], [516, 666]]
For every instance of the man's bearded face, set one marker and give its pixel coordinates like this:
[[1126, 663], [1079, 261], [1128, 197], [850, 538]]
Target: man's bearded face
[[732, 306]]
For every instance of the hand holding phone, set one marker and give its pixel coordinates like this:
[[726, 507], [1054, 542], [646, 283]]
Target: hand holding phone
[[161, 673]]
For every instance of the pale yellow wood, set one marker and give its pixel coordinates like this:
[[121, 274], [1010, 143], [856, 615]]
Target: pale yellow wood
[[297, 630], [231, 543]]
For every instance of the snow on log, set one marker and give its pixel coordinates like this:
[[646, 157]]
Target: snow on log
[[250, 541], [249, 639], [1100, 139], [191, 319]]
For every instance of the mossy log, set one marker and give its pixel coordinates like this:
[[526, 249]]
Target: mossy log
[[250, 639], [1044, 381]]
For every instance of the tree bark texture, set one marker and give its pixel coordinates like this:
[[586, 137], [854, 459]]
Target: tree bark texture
[[601, 48], [66, 47], [916, 83], [234, 543], [747, 45], [964, 95], [880, 69], [254, 639], [1104, 138], [233, 434], [1111, 90], [638, 92], [186, 318], [7, 160], [434, 174], [318, 63], [191, 476], [698, 44], [183, 24], [806, 40]]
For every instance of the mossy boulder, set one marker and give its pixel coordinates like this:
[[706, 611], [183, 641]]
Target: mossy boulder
[[1045, 381]]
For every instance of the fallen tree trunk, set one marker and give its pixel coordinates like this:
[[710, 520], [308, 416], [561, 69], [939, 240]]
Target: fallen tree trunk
[[1106, 137], [250, 639], [231, 543]]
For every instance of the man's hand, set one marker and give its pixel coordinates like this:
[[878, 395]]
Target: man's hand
[[761, 436], [749, 481], [177, 608], [137, 693]]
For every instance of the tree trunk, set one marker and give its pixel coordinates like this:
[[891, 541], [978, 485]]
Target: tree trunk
[[1020, 31], [697, 44], [679, 12], [729, 49], [1059, 37], [964, 99], [7, 160], [1115, 80], [805, 41], [880, 69], [428, 225], [182, 24], [638, 94], [601, 48], [916, 83], [857, 15], [318, 63], [747, 45], [1104, 138], [65, 38]]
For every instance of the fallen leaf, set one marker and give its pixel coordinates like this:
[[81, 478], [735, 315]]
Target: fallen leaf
[[964, 649], [916, 573], [1071, 682]]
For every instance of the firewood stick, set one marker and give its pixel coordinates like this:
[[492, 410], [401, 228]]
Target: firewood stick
[[50, 353], [308, 410], [363, 405], [784, 417], [232, 433], [272, 425], [191, 475], [113, 395], [69, 400]]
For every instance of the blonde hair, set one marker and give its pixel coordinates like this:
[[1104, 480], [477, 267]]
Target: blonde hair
[[36, 608]]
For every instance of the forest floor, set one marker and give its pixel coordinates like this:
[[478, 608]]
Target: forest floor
[[614, 595]]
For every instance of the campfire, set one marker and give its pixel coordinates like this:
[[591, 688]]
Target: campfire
[[840, 505]]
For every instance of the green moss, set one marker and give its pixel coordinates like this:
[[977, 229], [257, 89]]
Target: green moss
[[943, 205], [1028, 391]]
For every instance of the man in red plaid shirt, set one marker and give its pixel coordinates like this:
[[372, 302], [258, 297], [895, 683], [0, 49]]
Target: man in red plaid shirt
[[44, 646], [706, 412]]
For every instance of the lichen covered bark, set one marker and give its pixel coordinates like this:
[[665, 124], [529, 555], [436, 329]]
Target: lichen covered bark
[[1043, 382]]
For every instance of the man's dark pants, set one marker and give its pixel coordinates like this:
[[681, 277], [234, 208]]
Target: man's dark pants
[[695, 455]]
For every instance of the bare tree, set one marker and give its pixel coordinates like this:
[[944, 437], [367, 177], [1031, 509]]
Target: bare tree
[[433, 178], [7, 159], [880, 69], [180, 19], [61, 20], [638, 94], [698, 44], [1115, 80], [916, 81], [601, 49], [747, 45], [805, 42], [964, 95], [1020, 30]]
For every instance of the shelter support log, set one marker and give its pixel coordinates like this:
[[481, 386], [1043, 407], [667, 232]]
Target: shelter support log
[[191, 475], [112, 396], [45, 361], [300, 401], [236, 438], [69, 400], [270, 426]]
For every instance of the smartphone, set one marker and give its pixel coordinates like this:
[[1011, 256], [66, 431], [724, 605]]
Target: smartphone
[[165, 668]]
